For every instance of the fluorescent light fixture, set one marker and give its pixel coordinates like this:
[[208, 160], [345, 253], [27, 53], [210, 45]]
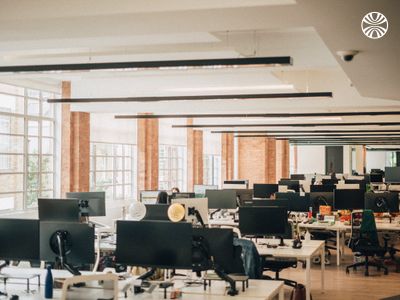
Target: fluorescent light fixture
[[155, 65], [250, 119], [194, 97]]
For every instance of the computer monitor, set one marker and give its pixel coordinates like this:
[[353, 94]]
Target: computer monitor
[[75, 240], [297, 176], [235, 184], [243, 195], [330, 181], [376, 177], [200, 189], [96, 202], [149, 197], [182, 195], [156, 212], [362, 183], [157, 244], [263, 221], [19, 239], [221, 199], [392, 174], [268, 202], [382, 202], [291, 184], [264, 190], [191, 206], [63, 210], [320, 198], [322, 188], [349, 199], [296, 201], [220, 246]]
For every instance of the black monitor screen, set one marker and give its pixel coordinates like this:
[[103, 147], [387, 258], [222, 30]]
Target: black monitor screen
[[322, 188], [79, 241], [154, 244], [392, 174], [361, 183], [297, 176], [264, 190], [20, 239], [220, 244], [262, 221], [221, 199], [156, 212], [268, 202], [320, 198], [349, 199], [376, 178], [182, 195], [382, 202], [291, 184], [63, 210], [296, 201], [331, 181], [96, 202]]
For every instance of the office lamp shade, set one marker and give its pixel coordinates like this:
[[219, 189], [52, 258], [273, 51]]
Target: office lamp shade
[[137, 211], [176, 212]]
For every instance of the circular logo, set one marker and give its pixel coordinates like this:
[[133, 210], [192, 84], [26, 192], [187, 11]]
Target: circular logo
[[374, 25]]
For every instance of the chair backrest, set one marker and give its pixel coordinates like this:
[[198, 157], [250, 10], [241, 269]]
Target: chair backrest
[[363, 228]]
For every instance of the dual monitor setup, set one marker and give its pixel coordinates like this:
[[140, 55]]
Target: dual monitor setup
[[57, 236]]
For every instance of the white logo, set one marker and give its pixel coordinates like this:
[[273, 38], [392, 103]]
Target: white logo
[[374, 25]]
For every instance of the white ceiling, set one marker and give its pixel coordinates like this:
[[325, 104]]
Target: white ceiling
[[311, 31]]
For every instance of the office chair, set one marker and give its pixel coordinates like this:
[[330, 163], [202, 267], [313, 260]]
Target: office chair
[[364, 241], [277, 264]]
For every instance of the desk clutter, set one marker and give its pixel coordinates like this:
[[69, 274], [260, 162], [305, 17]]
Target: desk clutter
[[180, 232]]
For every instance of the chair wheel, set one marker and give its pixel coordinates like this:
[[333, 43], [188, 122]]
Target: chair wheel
[[386, 272]]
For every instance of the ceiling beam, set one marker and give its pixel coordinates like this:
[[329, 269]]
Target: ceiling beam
[[160, 64], [287, 125], [193, 97], [318, 135]]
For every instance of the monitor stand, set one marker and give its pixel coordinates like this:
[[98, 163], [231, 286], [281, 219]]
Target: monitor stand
[[143, 277], [61, 238]]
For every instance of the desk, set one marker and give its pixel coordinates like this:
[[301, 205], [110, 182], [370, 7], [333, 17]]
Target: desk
[[308, 250], [222, 222], [258, 289], [340, 228]]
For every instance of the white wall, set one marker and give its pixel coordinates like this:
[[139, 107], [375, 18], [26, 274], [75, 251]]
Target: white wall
[[211, 143], [310, 159], [376, 160]]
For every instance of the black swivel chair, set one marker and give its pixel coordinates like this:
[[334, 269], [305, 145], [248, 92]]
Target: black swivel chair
[[277, 264], [364, 242]]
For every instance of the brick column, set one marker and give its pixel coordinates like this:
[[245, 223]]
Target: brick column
[[282, 159], [270, 161], [147, 147], [75, 147], [227, 159], [295, 159], [194, 157]]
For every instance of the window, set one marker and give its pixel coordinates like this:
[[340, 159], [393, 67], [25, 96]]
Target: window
[[27, 134], [112, 169], [211, 169], [171, 167]]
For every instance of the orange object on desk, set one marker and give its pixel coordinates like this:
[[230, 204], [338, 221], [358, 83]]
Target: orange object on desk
[[325, 210]]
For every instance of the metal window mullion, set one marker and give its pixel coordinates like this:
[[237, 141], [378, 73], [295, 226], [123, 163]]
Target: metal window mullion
[[25, 177]]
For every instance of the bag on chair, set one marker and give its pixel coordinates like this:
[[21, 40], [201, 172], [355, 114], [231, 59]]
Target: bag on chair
[[299, 293]]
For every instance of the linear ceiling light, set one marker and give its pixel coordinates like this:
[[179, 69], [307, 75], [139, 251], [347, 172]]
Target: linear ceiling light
[[304, 131], [160, 64], [193, 97], [288, 125], [317, 135], [257, 115]]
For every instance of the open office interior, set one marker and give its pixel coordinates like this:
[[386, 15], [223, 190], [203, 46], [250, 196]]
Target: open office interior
[[200, 149]]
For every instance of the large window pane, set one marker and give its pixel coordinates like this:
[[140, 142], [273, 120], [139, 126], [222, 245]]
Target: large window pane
[[10, 201], [47, 146], [11, 163], [33, 145], [11, 104], [47, 181], [11, 144], [33, 107], [11, 183], [47, 128], [11, 125], [33, 128], [47, 163]]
